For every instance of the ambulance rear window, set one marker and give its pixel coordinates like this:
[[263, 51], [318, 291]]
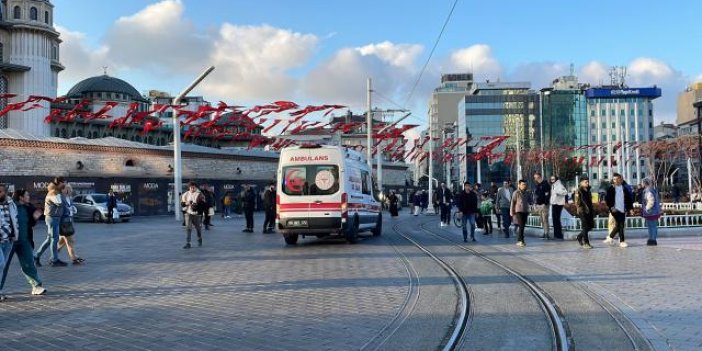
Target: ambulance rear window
[[311, 180]]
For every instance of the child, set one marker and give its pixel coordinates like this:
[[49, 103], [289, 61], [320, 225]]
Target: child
[[486, 209]]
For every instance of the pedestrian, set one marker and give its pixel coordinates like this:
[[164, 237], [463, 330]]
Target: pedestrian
[[249, 206], [194, 204], [67, 237], [519, 210], [676, 193], [444, 198], [558, 200], [53, 213], [22, 198], [209, 209], [478, 215], [493, 196], [486, 209], [417, 202], [269, 207], [111, 206], [503, 203], [585, 211], [15, 220], [619, 200], [425, 201], [651, 210], [394, 203], [467, 203], [227, 205], [542, 196]]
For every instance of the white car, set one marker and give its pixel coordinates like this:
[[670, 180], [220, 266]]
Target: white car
[[94, 207]]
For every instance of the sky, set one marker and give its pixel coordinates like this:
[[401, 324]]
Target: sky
[[322, 52]]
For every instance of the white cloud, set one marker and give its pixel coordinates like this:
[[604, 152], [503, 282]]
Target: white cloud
[[477, 59], [595, 73], [253, 62], [400, 55], [158, 38], [80, 60], [540, 74]]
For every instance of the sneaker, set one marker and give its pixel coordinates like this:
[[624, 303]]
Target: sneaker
[[38, 290], [58, 263], [652, 242], [3, 298], [608, 241], [521, 244], [187, 246], [587, 246], [472, 239], [78, 261], [623, 244], [37, 262], [442, 224], [465, 240], [199, 242]]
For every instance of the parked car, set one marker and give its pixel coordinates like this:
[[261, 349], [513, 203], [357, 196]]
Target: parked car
[[94, 207]]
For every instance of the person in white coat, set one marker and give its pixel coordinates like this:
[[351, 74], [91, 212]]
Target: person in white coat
[[558, 198]]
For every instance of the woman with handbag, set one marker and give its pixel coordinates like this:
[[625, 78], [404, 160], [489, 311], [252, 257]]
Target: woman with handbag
[[651, 210], [67, 230], [53, 213]]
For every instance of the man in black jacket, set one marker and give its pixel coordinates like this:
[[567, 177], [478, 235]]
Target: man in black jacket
[[467, 203], [269, 207], [249, 206], [210, 203], [444, 197], [620, 200], [542, 196], [585, 211]]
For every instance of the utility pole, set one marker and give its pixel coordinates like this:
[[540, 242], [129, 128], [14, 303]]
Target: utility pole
[[380, 147], [369, 126], [177, 163], [519, 152], [430, 207]]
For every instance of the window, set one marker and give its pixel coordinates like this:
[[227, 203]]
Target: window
[[17, 13], [604, 137], [311, 180], [592, 113], [594, 126], [365, 183], [594, 176], [650, 113], [46, 17], [614, 113], [614, 125], [54, 52], [594, 138], [33, 14], [603, 112], [604, 125]]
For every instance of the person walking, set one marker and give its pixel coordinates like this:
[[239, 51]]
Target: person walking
[[675, 193], [503, 203], [486, 209], [15, 220], [249, 206], [425, 201], [67, 238], [619, 200], [208, 210], [394, 203], [194, 203], [444, 197], [542, 196], [651, 210], [558, 200], [493, 196], [227, 202], [519, 210], [111, 206], [269, 207], [585, 211], [467, 203], [53, 213], [417, 202]]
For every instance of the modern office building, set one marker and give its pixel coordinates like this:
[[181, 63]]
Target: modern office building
[[686, 111], [495, 109], [619, 117], [564, 114]]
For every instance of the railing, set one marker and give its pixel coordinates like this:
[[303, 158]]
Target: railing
[[683, 206], [673, 221]]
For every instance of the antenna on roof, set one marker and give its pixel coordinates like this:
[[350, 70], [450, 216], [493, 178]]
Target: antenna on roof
[[104, 70]]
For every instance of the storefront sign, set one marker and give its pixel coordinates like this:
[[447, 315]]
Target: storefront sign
[[121, 188]]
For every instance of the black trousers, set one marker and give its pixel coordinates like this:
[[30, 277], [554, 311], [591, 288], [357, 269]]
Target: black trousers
[[499, 218], [208, 218], [248, 213], [584, 236], [487, 224], [620, 223], [522, 223], [445, 213], [557, 227], [269, 222]]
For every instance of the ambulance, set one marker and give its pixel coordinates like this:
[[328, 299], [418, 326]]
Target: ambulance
[[324, 191]]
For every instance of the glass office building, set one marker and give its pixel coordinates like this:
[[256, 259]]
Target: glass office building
[[495, 109]]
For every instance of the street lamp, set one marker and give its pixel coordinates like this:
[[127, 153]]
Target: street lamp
[[177, 175]]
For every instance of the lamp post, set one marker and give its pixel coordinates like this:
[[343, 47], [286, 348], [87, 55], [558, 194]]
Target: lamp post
[[177, 174]]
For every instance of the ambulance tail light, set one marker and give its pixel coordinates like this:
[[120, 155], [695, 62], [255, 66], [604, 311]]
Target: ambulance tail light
[[344, 207], [277, 207]]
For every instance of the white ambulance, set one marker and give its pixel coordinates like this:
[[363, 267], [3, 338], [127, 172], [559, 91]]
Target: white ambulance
[[325, 190]]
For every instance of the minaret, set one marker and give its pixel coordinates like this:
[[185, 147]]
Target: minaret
[[30, 60]]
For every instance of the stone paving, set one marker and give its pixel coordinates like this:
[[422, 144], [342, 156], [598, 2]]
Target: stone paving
[[139, 290], [658, 288]]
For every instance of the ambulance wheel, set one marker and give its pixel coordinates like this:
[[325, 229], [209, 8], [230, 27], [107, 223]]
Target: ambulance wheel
[[352, 231], [378, 230], [290, 239]]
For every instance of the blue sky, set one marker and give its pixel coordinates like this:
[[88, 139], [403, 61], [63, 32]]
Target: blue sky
[[534, 40]]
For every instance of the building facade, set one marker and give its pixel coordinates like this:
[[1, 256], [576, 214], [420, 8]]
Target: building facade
[[686, 100], [619, 118], [495, 109], [29, 60]]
